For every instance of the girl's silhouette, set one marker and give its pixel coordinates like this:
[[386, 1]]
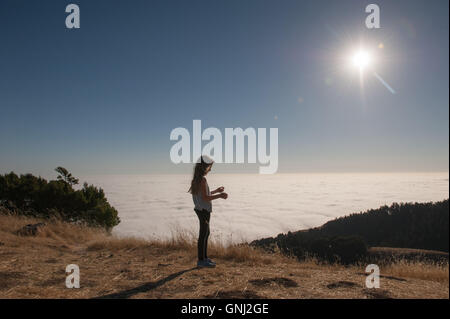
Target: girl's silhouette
[[202, 198]]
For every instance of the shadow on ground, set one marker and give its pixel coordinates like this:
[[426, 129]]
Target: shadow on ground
[[143, 288]]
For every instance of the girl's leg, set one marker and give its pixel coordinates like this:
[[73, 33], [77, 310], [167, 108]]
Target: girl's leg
[[208, 215], [201, 235]]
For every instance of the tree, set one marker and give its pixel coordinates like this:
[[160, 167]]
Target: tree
[[66, 176], [34, 196]]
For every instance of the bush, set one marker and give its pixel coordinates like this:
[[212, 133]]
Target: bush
[[347, 250], [34, 196], [339, 249]]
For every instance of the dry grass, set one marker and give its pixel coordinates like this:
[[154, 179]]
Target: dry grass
[[111, 267], [116, 244], [418, 270], [55, 229], [186, 242]]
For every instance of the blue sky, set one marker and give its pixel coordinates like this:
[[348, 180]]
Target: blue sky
[[104, 98]]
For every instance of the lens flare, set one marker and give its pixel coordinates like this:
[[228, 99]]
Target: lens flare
[[361, 59]]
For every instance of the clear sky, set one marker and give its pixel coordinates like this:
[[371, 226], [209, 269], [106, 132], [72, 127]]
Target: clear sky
[[104, 98]]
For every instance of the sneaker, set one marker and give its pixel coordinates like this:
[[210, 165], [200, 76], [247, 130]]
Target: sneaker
[[210, 261], [205, 263]]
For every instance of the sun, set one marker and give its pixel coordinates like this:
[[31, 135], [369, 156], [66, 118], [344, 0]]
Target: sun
[[361, 59]]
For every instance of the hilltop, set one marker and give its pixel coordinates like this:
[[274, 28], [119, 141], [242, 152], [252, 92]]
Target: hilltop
[[111, 267], [420, 226]]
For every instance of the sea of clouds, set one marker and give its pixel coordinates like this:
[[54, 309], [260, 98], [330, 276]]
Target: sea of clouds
[[258, 205]]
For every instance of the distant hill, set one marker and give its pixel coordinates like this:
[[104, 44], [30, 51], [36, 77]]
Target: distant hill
[[404, 225]]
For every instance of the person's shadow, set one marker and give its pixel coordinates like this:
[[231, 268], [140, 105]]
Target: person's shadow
[[143, 288]]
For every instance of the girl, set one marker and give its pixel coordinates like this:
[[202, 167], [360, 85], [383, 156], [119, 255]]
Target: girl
[[202, 198]]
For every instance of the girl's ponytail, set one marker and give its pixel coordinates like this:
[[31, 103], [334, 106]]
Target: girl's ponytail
[[199, 172]]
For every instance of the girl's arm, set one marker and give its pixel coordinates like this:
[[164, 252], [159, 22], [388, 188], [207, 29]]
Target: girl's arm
[[205, 196]]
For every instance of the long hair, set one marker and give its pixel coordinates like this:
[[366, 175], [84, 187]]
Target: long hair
[[199, 172]]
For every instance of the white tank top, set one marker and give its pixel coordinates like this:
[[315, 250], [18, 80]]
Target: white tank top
[[201, 204]]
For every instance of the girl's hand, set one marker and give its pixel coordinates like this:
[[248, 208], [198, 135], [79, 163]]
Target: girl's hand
[[224, 195], [220, 189]]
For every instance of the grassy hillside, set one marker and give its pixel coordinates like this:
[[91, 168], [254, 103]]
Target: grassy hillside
[[346, 239], [34, 267], [405, 225]]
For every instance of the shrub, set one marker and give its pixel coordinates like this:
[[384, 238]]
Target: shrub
[[339, 249], [34, 196], [347, 250]]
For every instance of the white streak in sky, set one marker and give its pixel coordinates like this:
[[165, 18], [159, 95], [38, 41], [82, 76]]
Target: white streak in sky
[[384, 82]]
